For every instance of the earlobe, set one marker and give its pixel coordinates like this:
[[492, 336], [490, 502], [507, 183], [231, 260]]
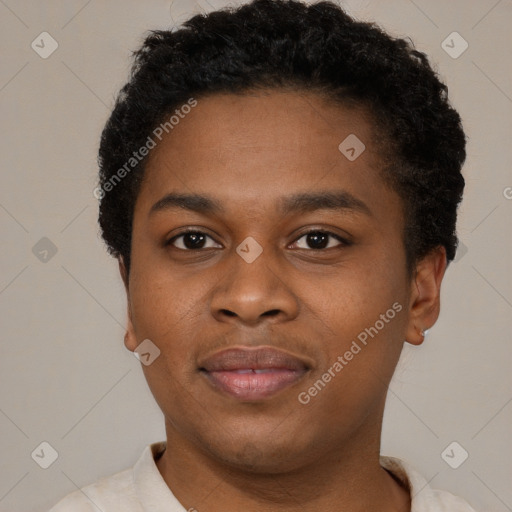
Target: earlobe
[[417, 337], [425, 304], [130, 340]]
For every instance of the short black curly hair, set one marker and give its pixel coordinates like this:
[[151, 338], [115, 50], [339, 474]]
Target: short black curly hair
[[269, 44]]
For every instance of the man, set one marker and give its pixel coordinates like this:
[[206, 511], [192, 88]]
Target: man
[[279, 184]]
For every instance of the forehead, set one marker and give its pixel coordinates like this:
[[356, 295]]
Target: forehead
[[247, 150]]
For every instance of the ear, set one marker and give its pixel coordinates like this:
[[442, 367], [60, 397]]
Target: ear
[[424, 305], [123, 272], [130, 340]]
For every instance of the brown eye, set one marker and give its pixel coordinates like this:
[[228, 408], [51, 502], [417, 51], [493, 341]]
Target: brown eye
[[318, 240], [191, 240]]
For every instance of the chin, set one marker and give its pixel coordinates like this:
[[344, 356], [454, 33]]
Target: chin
[[261, 454]]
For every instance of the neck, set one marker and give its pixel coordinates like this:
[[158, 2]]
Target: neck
[[348, 478]]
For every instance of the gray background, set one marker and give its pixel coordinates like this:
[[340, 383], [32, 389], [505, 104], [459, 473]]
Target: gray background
[[66, 377]]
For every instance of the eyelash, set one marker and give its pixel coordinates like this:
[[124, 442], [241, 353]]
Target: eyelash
[[343, 241]]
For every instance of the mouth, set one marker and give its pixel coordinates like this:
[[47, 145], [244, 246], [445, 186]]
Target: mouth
[[250, 374]]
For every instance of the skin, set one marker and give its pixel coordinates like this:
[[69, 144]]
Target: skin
[[276, 454]]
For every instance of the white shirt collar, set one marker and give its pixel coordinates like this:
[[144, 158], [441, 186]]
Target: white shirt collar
[[155, 495]]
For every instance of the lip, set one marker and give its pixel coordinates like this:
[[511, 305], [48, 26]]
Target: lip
[[254, 373]]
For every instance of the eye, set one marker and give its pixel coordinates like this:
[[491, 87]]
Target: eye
[[191, 240], [320, 240]]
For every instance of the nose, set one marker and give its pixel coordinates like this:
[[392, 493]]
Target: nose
[[251, 293]]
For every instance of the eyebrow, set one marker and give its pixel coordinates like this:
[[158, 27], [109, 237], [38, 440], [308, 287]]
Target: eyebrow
[[296, 203]]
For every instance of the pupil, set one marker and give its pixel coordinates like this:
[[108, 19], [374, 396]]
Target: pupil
[[194, 237], [318, 239]]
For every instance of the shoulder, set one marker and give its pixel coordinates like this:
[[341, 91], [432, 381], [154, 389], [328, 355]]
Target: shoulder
[[124, 491], [113, 493], [423, 497], [444, 501]]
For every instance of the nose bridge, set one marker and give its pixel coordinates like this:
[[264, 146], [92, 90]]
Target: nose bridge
[[251, 285]]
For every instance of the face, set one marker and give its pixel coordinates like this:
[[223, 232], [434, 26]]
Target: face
[[282, 313]]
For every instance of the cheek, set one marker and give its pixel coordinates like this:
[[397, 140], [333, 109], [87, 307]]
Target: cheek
[[167, 315], [163, 309], [357, 295], [358, 356], [364, 308]]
